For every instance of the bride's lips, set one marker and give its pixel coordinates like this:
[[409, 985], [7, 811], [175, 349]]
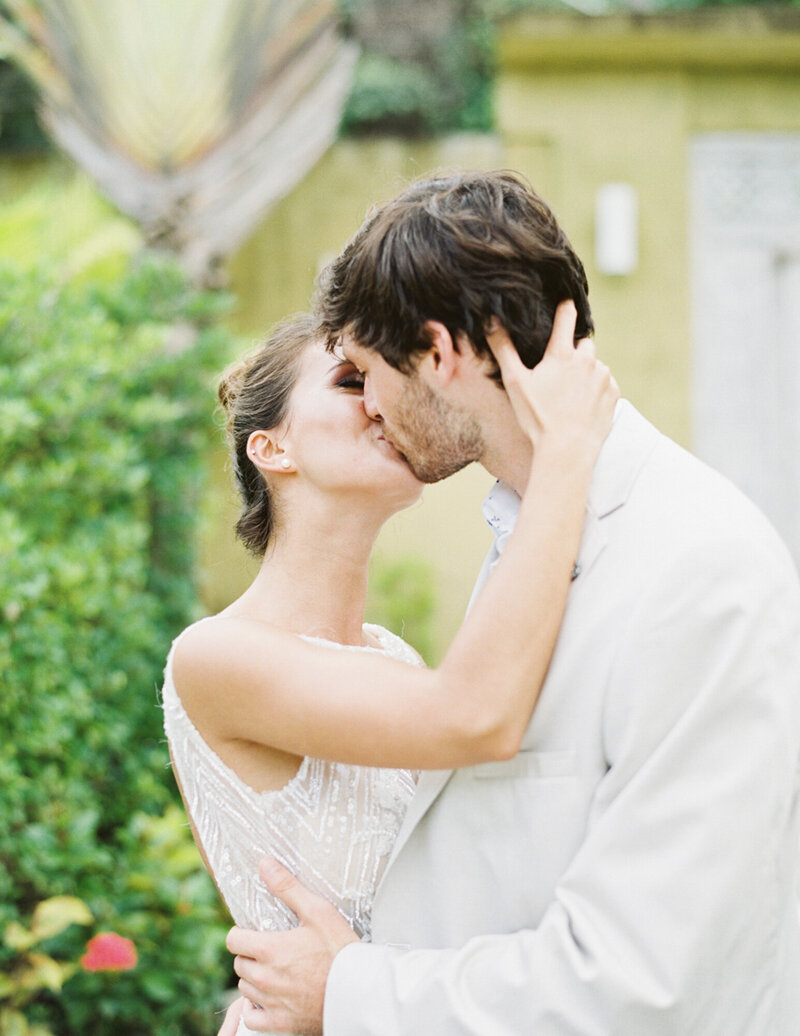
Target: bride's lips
[[382, 438]]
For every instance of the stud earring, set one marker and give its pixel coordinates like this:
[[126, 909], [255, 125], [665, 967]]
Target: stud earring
[[286, 463]]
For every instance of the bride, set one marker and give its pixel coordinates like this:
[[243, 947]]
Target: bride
[[294, 728]]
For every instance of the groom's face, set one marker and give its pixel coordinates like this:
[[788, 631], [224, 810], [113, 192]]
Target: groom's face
[[436, 438]]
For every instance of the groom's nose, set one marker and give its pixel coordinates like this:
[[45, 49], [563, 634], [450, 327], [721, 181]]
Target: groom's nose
[[370, 405]]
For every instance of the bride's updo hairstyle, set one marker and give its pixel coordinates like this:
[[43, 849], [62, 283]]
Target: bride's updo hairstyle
[[255, 394]]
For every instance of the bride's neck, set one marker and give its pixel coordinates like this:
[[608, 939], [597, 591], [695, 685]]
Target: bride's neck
[[313, 579]]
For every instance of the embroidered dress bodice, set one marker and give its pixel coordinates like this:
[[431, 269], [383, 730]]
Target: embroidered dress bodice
[[333, 825]]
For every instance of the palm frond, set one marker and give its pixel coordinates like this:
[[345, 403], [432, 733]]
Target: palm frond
[[192, 118]]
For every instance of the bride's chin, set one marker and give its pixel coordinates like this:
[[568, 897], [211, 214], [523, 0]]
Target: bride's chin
[[393, 456], [402, 492]]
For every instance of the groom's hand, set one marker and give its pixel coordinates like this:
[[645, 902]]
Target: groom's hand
[[282, 975]]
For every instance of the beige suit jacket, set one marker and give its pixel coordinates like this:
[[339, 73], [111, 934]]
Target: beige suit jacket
[[632, 870]]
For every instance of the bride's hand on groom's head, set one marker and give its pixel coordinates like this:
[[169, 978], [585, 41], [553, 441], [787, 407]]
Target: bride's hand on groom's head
[[569, 397]]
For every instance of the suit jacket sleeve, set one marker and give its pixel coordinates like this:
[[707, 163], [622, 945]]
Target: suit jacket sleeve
[[668, 919]]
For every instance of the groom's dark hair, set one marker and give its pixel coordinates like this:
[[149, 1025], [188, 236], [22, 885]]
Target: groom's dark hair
[[457, 249]]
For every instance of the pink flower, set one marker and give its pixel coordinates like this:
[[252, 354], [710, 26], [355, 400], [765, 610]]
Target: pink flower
[[108, 951]]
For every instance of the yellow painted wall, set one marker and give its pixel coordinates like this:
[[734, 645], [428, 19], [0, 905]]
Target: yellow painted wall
[[586, 101], [569, 133]]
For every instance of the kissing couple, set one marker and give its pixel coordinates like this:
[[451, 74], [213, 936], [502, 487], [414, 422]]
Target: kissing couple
[[585, 820]]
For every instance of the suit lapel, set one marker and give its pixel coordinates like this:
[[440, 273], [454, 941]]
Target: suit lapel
[[631, 441], [430, 784], [592, 544]]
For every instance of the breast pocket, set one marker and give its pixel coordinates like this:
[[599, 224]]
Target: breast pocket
[[528, 763], [523, 818]]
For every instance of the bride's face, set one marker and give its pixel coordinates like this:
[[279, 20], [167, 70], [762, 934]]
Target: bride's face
[[333, 444]]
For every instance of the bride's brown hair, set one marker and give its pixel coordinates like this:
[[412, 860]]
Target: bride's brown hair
[[255, 393]]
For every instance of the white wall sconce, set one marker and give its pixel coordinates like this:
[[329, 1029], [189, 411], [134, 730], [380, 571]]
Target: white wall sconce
[[617, 229]]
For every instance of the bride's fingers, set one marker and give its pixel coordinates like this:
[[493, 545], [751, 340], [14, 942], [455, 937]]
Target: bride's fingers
[[503, 351], [607, 384], [561, 343], [562, 336]]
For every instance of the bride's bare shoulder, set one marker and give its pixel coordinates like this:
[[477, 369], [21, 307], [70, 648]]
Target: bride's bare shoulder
[[209, 651]]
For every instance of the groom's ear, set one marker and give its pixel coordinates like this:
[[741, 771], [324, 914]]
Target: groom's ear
[[442, 361]]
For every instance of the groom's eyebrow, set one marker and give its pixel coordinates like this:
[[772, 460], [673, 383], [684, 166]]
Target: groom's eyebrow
[[345, 357]]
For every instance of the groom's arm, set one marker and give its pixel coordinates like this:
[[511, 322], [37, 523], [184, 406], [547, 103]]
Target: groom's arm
[[667, 920]]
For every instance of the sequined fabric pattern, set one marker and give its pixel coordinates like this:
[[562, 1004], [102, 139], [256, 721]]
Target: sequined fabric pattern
[[332, 825]]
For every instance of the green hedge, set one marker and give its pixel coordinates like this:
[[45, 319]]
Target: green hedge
[[104, 428]]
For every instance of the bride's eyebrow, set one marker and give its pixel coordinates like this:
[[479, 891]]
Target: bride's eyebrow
[[339, 366], [340, 362]]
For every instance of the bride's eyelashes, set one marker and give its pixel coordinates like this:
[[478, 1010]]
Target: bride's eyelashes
[[350, 379]]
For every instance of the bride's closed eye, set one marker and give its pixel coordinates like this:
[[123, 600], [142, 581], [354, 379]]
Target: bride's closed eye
[[350, 379]]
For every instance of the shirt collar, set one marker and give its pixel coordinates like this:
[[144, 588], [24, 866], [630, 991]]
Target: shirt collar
[[500, 509], [501, 506]]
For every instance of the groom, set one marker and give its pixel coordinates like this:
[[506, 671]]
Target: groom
[[631, 872]]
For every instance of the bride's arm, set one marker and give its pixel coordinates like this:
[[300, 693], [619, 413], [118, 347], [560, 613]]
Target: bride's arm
[[247, 681]]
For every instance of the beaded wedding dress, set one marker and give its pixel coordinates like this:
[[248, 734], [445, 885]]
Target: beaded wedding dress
[[333, 825]]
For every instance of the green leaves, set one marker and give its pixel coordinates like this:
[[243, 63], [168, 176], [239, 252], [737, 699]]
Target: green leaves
[[425, 77], [50, 918], [35, 971], [103, 437]]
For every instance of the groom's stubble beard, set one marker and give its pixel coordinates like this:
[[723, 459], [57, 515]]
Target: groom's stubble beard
[[436, 438]]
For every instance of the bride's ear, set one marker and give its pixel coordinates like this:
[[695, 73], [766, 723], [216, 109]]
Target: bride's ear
[[441, 363], [266, 452]]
